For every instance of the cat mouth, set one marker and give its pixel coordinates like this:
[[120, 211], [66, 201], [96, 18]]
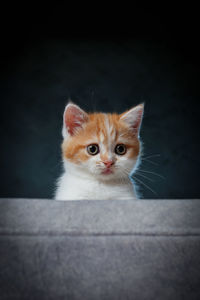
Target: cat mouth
[[107, 171]]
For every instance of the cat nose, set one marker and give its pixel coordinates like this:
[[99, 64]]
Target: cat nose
[[108, 163]]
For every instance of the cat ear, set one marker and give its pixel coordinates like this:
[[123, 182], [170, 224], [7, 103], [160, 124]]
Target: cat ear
[[73, 119], [133, 117]]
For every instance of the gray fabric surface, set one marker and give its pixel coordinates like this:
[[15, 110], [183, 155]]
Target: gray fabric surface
[[144, 249]]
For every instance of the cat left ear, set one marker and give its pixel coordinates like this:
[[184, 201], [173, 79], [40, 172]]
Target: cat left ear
[[133, 117], [73, 118]]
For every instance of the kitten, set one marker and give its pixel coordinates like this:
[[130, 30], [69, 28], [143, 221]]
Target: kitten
[[99, 152]]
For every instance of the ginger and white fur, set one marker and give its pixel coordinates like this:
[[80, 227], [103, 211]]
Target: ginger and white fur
[[84, 174]]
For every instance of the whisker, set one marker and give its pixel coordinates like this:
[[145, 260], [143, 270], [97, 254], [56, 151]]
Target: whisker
[[152, 162], [145, 177], [153, 155], [150, 172], [145, 185]]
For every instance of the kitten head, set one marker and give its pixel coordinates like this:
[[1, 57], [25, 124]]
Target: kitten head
[[105, 146]]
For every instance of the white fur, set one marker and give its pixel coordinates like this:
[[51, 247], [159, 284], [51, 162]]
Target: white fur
[[75, 185]]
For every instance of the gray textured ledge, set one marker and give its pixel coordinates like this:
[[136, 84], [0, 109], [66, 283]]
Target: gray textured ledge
[[164, 217], [142, 249]]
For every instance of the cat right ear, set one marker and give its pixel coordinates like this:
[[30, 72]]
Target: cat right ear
[[133, 118], [73, 119]]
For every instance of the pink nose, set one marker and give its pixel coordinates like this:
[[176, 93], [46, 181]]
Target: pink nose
[[108, 163]]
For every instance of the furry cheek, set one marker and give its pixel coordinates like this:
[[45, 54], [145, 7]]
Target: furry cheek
[[133, 151], [74, 153]]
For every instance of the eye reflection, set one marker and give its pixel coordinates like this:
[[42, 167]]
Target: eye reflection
[[93, 149], [120, 149]]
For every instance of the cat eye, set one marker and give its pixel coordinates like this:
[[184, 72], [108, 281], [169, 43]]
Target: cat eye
[[93, 149], [120, 149]]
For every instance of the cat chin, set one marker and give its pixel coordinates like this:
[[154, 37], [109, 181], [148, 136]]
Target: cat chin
[[108, 177]]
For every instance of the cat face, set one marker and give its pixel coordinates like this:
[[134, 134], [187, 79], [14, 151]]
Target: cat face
[[105, 146]]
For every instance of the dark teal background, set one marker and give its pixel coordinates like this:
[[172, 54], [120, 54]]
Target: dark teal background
[[43, 66]]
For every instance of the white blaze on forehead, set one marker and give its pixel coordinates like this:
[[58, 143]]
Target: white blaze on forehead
[[102, 143], [111, 133], [102, 137], [103, 148], [109, 127]]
